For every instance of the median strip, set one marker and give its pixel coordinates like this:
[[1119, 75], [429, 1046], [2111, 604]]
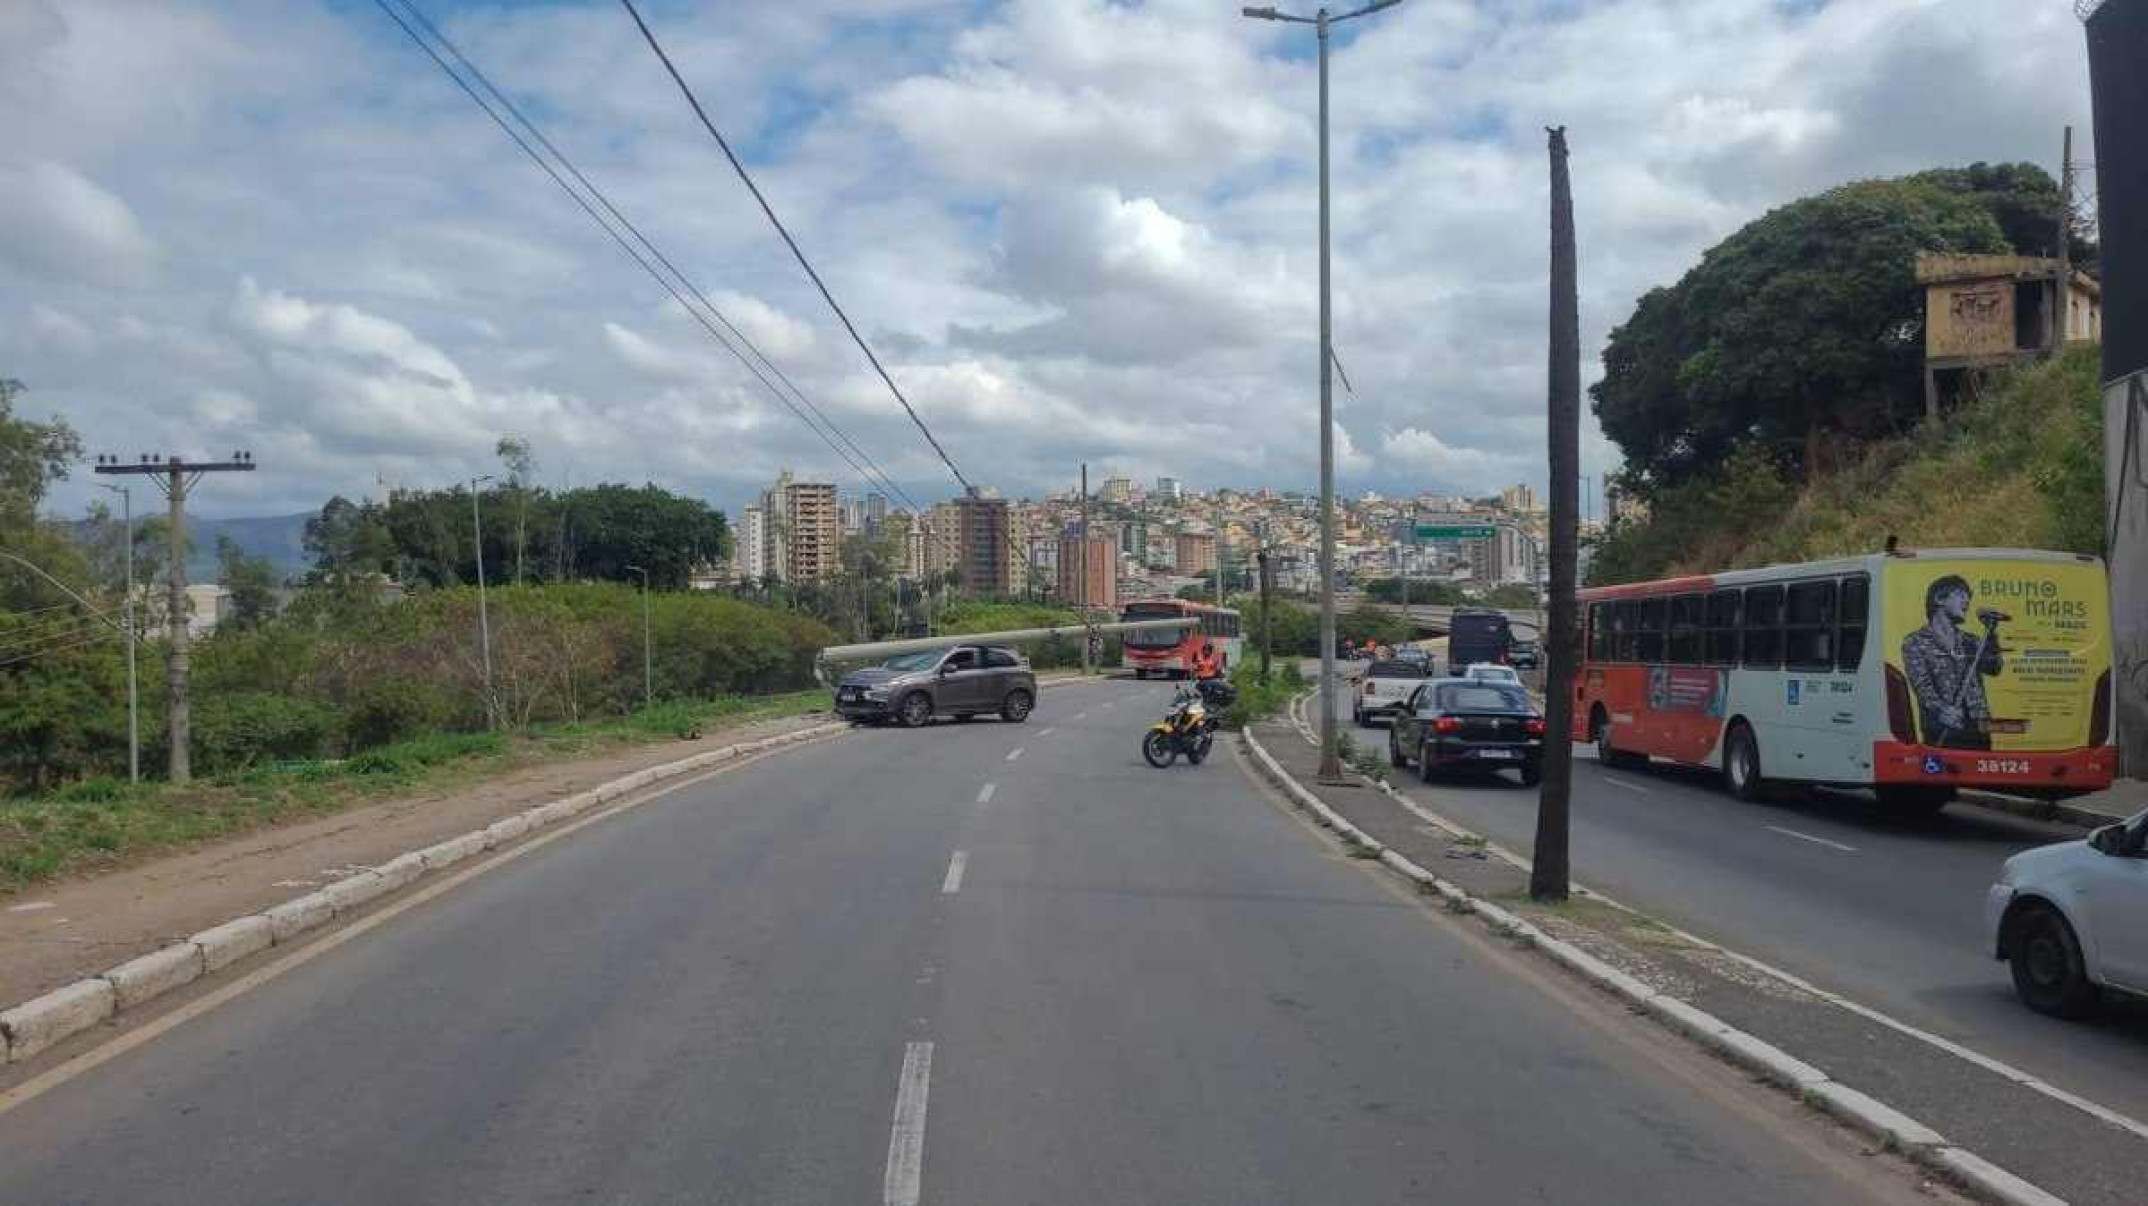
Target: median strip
[[41, 1022], [1597, 962]]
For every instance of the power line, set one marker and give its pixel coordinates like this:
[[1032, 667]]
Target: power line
[[642, 261], [506, 102], [791, 243]]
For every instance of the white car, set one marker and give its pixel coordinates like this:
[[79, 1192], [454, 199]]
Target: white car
[[2072, 919], [1484, 672]]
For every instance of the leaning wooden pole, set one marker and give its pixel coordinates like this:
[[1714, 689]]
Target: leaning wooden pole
[[1549, 874]]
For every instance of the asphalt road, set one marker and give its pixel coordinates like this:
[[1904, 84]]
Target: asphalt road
[[978, 963], [1884, 911]]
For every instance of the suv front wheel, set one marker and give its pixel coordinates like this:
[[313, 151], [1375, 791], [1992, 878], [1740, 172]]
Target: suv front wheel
[[916, 709], [1015, 708]]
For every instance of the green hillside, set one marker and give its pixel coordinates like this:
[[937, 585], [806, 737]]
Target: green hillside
[[2019, 466]]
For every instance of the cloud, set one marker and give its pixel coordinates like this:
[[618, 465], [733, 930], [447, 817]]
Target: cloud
[[57, 221], [1074, 230]]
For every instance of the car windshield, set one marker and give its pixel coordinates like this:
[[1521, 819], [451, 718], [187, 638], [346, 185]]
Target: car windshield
[[1396, 668], [1483, 697], [913, 661]]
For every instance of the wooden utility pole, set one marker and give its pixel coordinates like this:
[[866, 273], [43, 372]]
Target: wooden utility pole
[[176, 477], [2061, 312], [1267, 584], [1549, 873]]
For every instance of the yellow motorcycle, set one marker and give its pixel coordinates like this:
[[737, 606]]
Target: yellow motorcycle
[[1187, 729]]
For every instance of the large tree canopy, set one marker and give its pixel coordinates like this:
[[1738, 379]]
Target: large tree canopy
[[1805, 325]]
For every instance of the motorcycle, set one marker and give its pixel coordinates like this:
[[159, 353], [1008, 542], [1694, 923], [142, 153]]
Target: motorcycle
[[1189, 727]]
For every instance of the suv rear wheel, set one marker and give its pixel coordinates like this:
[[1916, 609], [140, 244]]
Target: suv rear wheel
[[1015, 708], [916, 709]]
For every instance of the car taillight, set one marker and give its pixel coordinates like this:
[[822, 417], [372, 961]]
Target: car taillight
[[1534, 726], [1447, 724]]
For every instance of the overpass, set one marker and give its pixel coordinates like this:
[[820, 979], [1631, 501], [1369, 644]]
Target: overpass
[[1435, 619]]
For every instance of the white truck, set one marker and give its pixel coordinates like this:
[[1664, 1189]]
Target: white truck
[[1385, 688]]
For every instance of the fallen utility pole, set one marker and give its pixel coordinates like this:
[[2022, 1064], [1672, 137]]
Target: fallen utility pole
[[1549, 873], [177, 477]]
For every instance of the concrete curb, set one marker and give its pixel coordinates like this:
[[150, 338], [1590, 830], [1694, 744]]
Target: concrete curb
[[40, 1022], [1888, 1125], [2040, 810]]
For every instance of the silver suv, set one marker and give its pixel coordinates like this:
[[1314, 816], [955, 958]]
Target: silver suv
[[965, 681]]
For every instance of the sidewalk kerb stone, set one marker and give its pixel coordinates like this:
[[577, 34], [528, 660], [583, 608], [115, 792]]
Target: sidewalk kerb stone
[[401, 869], [1986, 1179], [1765, 1058], [294, 917], [1598, 972], [1685, 1019], [348, 894], [40, 1022], [453, 850], [506, 830], [232, 941], [1872, 1115], [157, 972]]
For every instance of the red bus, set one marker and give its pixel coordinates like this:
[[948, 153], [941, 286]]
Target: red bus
[[1179, 654], [1914, 674]]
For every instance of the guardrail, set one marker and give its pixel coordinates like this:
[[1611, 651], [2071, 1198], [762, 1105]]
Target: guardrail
[[877, 650]]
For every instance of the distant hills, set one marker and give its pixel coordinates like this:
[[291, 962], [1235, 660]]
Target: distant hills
[[281, 539]]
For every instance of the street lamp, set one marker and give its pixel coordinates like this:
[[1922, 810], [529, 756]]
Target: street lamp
[[1330, 764], [134, 705], [648, 678], [484, 620]]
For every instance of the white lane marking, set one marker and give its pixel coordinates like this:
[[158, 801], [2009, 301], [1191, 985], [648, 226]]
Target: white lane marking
[[1629, 784], [1109, 706], [1014, 753], [1046, 731], [953, 883], [984, 794], [1806, 837], [31, 907], [906, 1146], [1996, 1067], [1081, 716]]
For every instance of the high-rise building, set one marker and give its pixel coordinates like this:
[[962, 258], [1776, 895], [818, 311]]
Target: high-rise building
[[1101, 559], [876, 510], [1519, 499], [805, 532], [984, 553], [1510, 555], [1170, 488], [1118, 489], [1196, 552], [853, 513], [943, 538], [749, 546]]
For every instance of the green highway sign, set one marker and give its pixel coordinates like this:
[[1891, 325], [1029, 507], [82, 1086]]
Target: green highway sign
[[1431, 531]]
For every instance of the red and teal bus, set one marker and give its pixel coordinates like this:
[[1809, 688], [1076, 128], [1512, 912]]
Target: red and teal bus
[[1912, 673], [1180, 653]]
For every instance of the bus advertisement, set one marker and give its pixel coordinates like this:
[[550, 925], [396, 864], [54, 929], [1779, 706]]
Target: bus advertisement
[[1985, 668], [1207, 647]]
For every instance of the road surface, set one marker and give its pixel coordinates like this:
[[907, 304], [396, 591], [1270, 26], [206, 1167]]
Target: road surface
[[1885, 911], [978, 963]]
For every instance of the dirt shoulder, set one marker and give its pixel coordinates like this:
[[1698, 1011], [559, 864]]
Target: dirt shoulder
[[60, 931]]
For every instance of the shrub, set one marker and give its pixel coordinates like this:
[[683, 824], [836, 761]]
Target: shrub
[[236, 731]]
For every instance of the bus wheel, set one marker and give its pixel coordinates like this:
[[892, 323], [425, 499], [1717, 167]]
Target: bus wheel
[[1600, 732], [1741, 764]]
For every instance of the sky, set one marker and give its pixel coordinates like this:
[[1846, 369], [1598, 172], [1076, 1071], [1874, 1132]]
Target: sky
[[1074, 230]]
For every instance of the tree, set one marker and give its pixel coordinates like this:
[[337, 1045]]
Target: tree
[[514, 453], [1805, 325], [2024, 200], [251, 581], [347, 542], [32, 457]]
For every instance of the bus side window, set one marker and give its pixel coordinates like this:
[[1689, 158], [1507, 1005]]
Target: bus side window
[[1723, 610], [1688, 613], [1622, 628], [1810, 626], [1855, 601], [1599, 632], [1648, 642], [1762, 630]]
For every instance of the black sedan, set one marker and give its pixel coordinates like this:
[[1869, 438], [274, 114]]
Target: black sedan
[[1461, 724]]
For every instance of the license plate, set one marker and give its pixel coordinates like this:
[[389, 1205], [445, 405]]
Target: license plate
[[1496, 754]]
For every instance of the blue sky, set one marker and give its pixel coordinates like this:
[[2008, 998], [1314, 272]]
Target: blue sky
[[1076, 230]]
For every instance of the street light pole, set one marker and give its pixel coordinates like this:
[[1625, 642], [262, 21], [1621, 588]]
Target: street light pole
[[1330, 761], [134, 703], [484, 619], [648, 677]]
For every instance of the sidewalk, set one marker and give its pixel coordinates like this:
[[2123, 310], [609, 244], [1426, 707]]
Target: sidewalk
[[2120, 801], [55, 933], [2058, 1147]]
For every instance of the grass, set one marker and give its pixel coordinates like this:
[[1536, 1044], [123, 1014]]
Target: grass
[[98, 823]]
